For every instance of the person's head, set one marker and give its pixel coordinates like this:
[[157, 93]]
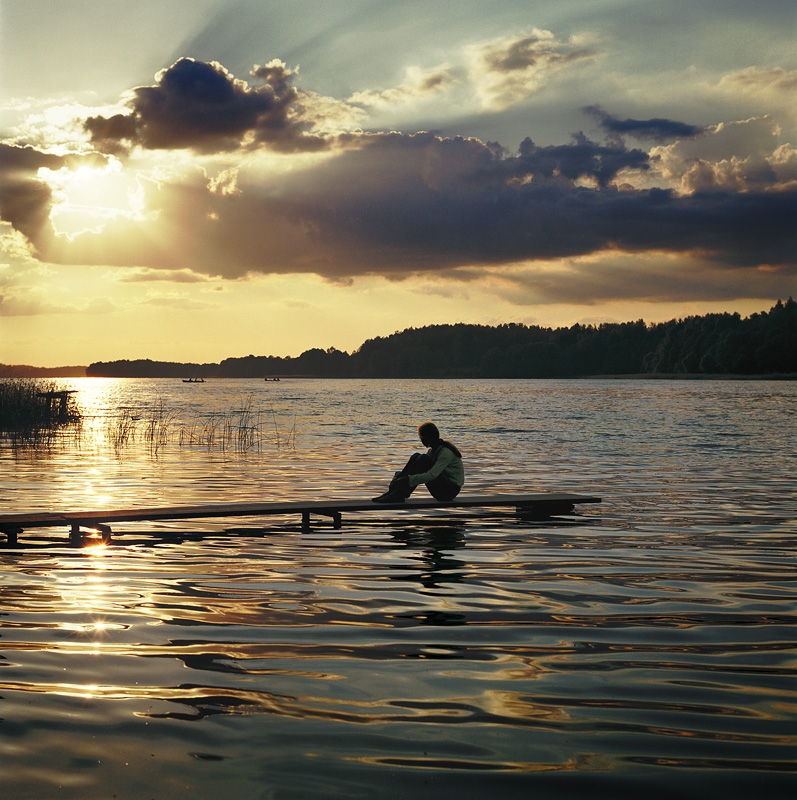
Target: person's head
[[429, 434]]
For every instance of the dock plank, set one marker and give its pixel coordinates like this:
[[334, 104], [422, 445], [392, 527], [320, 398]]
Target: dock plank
[[14, 524]]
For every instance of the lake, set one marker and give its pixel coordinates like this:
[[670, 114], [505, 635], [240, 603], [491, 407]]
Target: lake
[[643, 647]]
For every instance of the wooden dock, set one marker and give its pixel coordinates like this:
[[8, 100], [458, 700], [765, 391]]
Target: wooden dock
[[535, 506], [60, 399]]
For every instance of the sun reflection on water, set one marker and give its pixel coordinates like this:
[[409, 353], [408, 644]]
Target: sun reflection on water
[[88, 590]]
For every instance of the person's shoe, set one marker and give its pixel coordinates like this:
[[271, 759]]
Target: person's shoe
[[390, 496]]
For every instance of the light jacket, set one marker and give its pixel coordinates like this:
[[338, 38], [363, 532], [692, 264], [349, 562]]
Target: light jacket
[[446, 462]]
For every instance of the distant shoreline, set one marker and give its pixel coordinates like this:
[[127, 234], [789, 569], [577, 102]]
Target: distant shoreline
[[26, 371], [711, 347]]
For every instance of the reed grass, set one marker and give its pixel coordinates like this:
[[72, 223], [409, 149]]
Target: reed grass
[[286, 439], [27, 419], [25, 422], [240, 429], [121, 429], [157, 427]]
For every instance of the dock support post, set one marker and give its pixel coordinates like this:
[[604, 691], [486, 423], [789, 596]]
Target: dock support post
[[12, 534], [75, 534]]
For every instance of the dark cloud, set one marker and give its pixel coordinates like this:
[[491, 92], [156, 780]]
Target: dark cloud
[[202, 106], [657, 129], [24, 200], [17, 160], [399, 204], [426, 213], [113, 134], [579, 159]]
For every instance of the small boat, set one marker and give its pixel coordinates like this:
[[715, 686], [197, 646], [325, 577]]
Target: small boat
[[193, 380], [270, 379]]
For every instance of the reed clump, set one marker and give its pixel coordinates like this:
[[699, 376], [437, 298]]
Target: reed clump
[[29, 419], [34, 412], [122, 428], [240, 429], [158, 426]]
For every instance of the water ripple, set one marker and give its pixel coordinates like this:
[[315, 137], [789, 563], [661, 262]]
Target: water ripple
[[641, 647]]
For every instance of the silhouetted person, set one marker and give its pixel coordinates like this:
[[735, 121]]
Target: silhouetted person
[[440, 468]]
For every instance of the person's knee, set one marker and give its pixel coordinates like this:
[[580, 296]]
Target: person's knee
[[419, 462]]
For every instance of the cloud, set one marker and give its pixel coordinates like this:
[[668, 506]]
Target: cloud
[[419, 85], [14, 244], [507, 70], [646, 278], [396, 204], [657, 129], [176, 301], [756, 79], [32, 306], [401, 204], [329, 116], [494, 74], [145, 275], [202, 106], [581, 159], [27, 307], [744, 156], [17, 160], [25, 201]]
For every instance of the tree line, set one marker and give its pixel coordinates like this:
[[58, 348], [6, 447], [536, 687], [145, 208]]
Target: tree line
[[724, 344]]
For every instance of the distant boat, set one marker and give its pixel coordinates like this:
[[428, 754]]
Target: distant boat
[[270, 379], [193, 380]]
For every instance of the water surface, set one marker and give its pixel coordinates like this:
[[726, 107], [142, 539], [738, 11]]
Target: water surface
[[641, 647]]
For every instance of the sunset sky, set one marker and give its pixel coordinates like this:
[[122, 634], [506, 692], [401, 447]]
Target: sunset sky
[[196, 179]]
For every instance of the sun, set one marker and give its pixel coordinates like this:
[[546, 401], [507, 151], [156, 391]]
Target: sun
[[86, 198]]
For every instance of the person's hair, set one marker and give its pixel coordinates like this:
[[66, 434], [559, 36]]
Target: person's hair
[[429, 431]]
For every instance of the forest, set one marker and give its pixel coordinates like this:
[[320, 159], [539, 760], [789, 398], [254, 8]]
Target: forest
[[714, 344]]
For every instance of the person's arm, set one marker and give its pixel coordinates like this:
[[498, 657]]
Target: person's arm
[[443, 459]]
